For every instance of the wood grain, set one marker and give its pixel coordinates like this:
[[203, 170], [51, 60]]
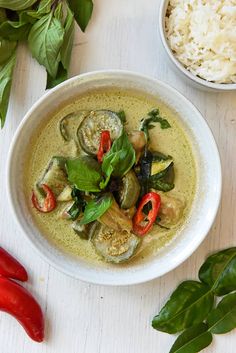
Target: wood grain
[[84, 318]]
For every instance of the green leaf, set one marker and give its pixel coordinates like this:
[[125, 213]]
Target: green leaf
[[96, 208], [14, 30], [45, 6], [3, 16], [153, 117], [82, 10], [6, 72], [45, 41], [219, 271], [67, 45], [17, 4], [58, 12], [189, 304], [60, 77], [84, 173], [222, 319], [7, 48], [119, 160], [122, 116], [192, 340]]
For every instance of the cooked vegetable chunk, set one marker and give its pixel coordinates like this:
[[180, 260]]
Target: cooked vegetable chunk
[[70, 123], [171, 210], [129, 190], [114, 246], [89, 131], [116, 219], [55, 176]]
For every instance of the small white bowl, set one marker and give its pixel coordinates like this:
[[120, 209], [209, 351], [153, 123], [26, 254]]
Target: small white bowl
[[204, 207], [180, 67]]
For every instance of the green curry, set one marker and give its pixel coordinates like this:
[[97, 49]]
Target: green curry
[[113, 176]]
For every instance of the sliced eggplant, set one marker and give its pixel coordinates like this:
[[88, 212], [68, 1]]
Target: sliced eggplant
[[89, 132], [55, 176], [65, 195], [129, 190], [69, 124], [160, 162], [113, 246]]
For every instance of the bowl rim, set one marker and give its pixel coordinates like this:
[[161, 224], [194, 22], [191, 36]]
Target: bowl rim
[[207, 84], [197, 240]]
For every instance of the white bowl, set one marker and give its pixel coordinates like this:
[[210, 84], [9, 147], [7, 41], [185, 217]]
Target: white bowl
[[180, 67], [204, 207]]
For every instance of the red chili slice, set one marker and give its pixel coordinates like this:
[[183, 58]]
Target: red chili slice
[[142, 223], [105, 145], [10, 267], [49, 201]]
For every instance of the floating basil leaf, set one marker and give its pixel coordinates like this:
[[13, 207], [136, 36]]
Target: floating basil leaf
[[222, 319], [17, 4], [85, 173], [122, 116], [153, 117], [119, 160], [96, 208], [82, 10], [219, 271], [189, 304], [45, 41], [6, 72], [192, 340]]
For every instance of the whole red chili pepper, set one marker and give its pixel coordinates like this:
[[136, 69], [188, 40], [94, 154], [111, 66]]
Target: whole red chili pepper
[[18, 302], [105, 145], [10, 267], [142, 223], [49, 201]]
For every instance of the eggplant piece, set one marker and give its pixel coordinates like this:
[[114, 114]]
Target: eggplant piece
[[89, 131], [83, 231], [55, 176], [129, 190], [113, 246], [69, 124]]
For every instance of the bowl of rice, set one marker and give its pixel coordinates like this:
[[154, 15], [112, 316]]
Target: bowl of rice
[[200, 39]]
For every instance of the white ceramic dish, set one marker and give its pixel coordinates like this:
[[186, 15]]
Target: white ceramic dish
[[180, 68], [204, 206]]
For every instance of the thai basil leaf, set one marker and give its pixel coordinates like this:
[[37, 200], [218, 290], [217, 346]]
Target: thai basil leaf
[[188, 305], [58, 12], [45, 6], [45, 41], [67, 45], [6, 72], [222, 319], [82, 10], [15, 30], [60, 77], [219, 271], [153, 117], [96, 208], [119, 160], [85, 173], [7, 48], [17, 4], [192, 340]]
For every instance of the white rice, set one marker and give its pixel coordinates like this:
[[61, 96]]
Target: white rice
[[202, 36]]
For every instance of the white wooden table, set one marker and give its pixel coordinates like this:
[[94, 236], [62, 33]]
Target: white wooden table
[[84, 318]]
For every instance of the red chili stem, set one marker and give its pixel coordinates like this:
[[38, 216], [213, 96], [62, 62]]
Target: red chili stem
[[143, 223], [49, 201], [105, 145], [10, 267], [18, 302]]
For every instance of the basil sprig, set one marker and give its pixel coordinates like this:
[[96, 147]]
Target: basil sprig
[[190, 307], [49, 31]]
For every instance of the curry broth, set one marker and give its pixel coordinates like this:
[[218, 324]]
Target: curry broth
[[48, 142]]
